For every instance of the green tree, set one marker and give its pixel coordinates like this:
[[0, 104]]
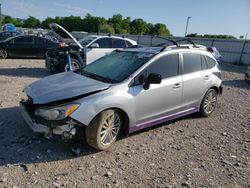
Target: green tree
[[45, 23], [160, 29], [71, 23], [9, 19], [138, 26], [120, 25], [106, 28], [211, 36], [92, 23], [31, 22]]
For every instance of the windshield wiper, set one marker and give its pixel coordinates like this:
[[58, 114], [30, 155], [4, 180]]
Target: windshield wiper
[[97, 77]]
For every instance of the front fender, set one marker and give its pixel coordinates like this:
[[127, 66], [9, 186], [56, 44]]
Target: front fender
[[94, 104]]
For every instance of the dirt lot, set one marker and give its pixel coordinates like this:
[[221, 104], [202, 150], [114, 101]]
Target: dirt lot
[[188, 152]]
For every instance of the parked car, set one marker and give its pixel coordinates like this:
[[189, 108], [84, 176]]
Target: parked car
[[215, 52], [247, 74], [7, 34], [25, 46], [125, 91], [85, 50]]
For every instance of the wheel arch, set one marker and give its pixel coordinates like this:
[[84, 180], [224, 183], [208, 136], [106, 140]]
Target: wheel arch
[[215, 88], [125, 118]]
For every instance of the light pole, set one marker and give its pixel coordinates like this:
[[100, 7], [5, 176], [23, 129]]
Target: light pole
[[188, 18]]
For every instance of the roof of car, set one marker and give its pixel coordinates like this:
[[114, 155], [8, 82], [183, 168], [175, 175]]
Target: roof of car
[[157, 50], [116, 37], [153, 50]]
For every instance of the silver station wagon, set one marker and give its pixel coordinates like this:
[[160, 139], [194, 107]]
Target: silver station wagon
[[124, 91]]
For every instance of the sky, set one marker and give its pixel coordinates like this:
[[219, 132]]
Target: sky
[[231, 17]]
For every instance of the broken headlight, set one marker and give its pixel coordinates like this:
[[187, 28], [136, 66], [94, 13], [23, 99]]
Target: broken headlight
[[57, 113]]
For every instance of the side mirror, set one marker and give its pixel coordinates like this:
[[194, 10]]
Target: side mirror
[[94, 45], [152, 78]]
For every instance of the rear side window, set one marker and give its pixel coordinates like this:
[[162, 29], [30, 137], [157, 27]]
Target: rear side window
[[203, 63], [191, 63], [26, 39], [166, 66], [210, 62], [128, 44], [119, 43], [104, 42]]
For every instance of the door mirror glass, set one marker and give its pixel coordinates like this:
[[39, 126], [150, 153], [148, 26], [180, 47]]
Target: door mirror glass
[[152, 78]]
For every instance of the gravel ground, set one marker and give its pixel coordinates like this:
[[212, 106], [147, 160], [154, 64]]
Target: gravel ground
[[189, 152]]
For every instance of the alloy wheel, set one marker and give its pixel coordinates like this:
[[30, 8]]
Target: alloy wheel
[[3, 54], [110, 129], [210, 102]]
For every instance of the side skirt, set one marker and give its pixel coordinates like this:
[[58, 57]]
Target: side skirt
[[162, 119]]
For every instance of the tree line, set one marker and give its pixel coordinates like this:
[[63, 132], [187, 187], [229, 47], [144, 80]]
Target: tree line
[[211, 36], [93, 24]]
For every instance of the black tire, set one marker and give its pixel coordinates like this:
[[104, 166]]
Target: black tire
[[208, 103], [76, 65], [104, 129], [3, 54]]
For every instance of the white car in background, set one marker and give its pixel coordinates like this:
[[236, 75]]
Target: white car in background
[[83, 51], [96, 46]]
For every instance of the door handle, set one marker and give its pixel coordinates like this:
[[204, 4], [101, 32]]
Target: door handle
[[177, 85]]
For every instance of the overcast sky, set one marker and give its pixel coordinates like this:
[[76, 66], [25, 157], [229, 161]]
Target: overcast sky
[[230, 17]]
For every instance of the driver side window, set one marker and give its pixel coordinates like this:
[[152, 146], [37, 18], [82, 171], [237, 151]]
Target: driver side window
[[167, 66]]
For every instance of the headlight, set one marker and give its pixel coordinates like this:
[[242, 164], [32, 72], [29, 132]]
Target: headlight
[[57, 113]]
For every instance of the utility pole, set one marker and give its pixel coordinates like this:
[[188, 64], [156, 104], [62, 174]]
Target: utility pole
[[188, 18], [246, 36]]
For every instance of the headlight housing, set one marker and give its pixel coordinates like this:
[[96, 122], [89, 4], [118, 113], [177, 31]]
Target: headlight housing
[[57, 113]]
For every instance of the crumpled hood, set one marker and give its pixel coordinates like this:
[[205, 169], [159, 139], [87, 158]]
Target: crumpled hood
[[62, 86], [59, 30]]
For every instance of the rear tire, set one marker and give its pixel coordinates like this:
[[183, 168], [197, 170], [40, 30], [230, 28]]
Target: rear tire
[[3, 54], [104, 129], [208, 103]]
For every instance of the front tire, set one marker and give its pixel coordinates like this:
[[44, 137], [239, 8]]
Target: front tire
[[76, 65], [3, 54], [208, 103], [104, 129]]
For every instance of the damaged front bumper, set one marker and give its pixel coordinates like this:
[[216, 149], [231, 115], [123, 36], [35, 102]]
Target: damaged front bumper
[[66, 129]]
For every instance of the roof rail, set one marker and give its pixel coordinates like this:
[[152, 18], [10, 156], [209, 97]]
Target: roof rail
[[168, 40], [188, 40]]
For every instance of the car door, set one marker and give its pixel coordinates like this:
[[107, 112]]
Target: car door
[[160, 99], [105, 47], [196, 79], [20, 46], [39, 47]]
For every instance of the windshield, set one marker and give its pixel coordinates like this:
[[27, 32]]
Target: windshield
[[116, 66], [86, 40]]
